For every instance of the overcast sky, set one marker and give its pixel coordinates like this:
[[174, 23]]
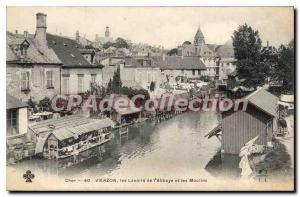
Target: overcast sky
[[167, 26]]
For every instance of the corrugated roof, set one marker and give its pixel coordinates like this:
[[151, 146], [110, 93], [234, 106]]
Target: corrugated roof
[[62, 122], [12, 102], [67, 51], [95, 124], [264, 100], [179, 63]]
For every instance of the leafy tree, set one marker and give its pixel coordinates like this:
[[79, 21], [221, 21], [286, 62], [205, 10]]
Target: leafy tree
[[172, 52], [109, 87], [285, 67], [107, 45], [116, 82], [187, 42], [247, 51], [121, 43]]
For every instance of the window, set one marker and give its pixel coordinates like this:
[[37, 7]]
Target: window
[[80, 83], [93, 78], [193, 71], [49, 75], [12, 122], [199, 72], [25, 81], [66, 84]]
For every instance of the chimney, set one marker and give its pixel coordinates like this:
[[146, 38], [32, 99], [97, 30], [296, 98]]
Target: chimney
[[164, 57], [25, 34], [41, 29], [16, 31], [267, 43]]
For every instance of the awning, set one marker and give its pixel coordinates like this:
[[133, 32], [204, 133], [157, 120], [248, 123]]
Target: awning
[[69, 132]]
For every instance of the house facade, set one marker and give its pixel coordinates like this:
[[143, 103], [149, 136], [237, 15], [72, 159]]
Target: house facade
[[32, 68], [212, 55], [176, 68], [140, 73], [78, 72]]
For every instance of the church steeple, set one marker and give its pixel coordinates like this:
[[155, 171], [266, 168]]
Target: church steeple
[[199, 38]]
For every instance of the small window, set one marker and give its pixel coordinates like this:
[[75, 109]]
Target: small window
[[49, 75], [12, 122], [25, 81], [93, 78], [80, 83], [193, 71], [66, 85], [199, 72]]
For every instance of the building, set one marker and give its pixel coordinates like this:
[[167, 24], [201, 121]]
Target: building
[[178, 68], [16, 113], [77, 73], [17, 140], [212, 55], [32, 68], [140, 73], [99, 41], [239, 127], [82, 40]]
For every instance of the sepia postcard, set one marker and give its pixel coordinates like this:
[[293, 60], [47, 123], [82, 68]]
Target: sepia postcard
[[150, 98]]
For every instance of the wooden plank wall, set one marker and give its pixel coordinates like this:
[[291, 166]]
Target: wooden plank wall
[[240, 127]]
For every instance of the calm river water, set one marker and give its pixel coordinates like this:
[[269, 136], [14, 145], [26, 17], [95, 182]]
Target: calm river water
[[175, 147]]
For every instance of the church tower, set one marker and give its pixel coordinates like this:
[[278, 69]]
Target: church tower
[[198, 41], [77, 36], [107, 32]]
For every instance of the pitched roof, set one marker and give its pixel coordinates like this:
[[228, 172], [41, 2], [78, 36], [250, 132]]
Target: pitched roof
[[264, 100], [12, 102], [226, 50], [199, 33], [179, 63], [140, 62], [95, 124], [35, 54], [68, 51], [10, 56]]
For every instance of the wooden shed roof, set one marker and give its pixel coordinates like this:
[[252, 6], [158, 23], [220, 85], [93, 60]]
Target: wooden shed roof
[[264, 100]]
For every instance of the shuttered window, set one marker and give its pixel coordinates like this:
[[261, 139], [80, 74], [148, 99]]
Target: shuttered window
[[25, 81], [49, 75]]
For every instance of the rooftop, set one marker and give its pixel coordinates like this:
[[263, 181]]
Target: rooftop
[[264, 100], [180, 63]]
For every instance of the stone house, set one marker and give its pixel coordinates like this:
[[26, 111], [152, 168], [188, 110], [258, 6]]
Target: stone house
[[77, 73], [140, 73], [32, 68], [177, 68]]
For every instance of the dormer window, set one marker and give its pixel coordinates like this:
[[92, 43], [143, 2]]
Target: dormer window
[[23, 48]]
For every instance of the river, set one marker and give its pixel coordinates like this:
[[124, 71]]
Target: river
[[175, 147]]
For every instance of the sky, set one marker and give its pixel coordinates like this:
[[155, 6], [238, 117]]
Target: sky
[[164, 26]]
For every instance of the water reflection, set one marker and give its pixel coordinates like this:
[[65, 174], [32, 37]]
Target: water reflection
[[173, 147]]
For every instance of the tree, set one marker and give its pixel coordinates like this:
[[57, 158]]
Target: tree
[[285, 67], [173, 52], [121, 43], [116, 82], [107, 45], [247, 51]]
